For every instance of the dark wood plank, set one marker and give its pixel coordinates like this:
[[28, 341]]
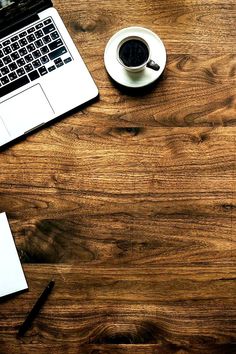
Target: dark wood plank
[[194, 90], [166, 306], [114, 349], [122, 160], [86, 349], [144, 198], [198, 86], [195, 26]]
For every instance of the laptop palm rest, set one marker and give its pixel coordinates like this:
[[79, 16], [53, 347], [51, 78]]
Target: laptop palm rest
[[25, 111]]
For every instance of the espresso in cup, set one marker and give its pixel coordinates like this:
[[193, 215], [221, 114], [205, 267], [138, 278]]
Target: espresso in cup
[[134, 54]]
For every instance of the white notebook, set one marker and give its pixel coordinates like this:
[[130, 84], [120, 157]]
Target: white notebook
[[12, 277]]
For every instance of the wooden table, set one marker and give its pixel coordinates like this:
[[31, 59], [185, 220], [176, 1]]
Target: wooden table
[[130, 203]]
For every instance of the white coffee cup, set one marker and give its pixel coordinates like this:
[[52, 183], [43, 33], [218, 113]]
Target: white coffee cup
[[148, 62]]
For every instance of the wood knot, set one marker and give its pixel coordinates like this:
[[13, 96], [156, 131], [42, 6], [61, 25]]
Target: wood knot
[[230, 102], [183, 61], [142, 333], [198, 139], [83, 27], [129, 131], [227, 207], [210, 75]]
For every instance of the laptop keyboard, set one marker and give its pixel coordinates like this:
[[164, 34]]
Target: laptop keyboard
[[30, 54]]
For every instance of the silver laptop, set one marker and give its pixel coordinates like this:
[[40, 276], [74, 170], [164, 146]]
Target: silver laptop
[[42, 74]]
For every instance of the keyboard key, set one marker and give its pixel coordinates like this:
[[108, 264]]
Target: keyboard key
[[39, 43], [40, 25], [1, 54], [23, 34], [44, 50], [12, 76], [15, 38], [28, 68], [58, 52], [28, 58], [21, 71], [31, 38], [5, 70], [43, 71], [39, 34], [4, 80], [23, 42], [59, 64], [7, 60], [22, 51], [12, 66], [31, 30], [57, 43], [15, 56], [51, 68], [67, 60], [7, 50], [20, 62], [47, 39], [36, 64], [31, 47], [54, 35], [1, 63], [34, 75], [14, 85], [15, 46], [50, 28], [44, 59], [57, 61], [7, 42], [36, 54], [46, 22]]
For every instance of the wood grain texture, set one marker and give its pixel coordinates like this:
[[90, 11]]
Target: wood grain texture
[[198, 87], [162, 306], [125, 211], [129, 204]]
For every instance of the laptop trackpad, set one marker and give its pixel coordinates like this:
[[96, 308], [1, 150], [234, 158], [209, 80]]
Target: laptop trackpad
[[26, 110]]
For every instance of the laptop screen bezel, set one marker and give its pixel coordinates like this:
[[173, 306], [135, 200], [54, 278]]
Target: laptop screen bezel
[[20, 10]]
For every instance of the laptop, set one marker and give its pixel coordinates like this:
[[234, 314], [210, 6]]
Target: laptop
[[42, 75]]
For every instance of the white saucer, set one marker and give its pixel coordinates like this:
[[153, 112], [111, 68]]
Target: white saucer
[[147, 75]]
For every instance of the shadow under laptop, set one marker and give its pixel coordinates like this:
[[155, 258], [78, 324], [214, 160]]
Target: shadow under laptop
[[48, 124]]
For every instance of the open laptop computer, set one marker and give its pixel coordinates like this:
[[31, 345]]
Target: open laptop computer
[[42, 74]]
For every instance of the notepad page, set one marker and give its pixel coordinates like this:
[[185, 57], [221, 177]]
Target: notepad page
[[12, 277]]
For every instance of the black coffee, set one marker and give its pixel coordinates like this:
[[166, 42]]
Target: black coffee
[[133, 53]]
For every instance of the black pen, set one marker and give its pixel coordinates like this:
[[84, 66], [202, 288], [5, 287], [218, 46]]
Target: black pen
[[36, 308]]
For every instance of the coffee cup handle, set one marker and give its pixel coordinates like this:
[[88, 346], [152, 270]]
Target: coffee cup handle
[[152, 65]]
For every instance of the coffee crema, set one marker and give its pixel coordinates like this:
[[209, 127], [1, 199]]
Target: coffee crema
[[133, 53]]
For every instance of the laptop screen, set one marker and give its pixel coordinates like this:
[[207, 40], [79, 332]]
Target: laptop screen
[[12, 11], [5, 3]]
